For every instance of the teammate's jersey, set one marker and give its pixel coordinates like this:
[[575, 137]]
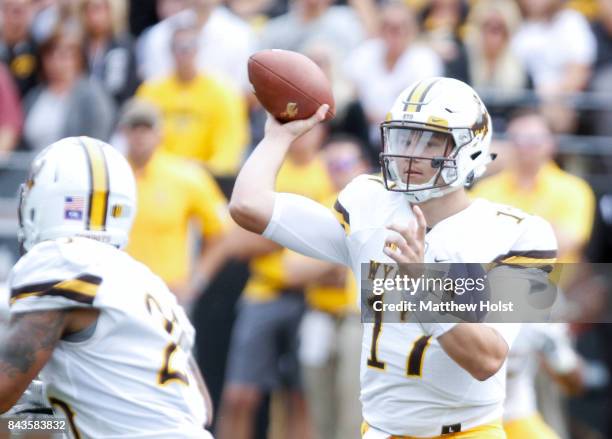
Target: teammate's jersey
[[553, 343], [409, 385], [4, 294], [129, 377]]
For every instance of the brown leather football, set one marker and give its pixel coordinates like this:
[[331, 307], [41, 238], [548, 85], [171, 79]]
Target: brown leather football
[[289, 85]]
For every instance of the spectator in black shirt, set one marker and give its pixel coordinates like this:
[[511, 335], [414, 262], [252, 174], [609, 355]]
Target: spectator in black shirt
[[599, 249], [601, 82], [602, 29], [17, 48], [110, 57], [442, 21]]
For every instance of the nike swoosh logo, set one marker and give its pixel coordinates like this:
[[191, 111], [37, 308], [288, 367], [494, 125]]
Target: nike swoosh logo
[[441, 260]]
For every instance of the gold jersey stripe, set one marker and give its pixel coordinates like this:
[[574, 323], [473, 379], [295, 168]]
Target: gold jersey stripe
[[81, 289], [342, 216], [98, 172], [78, 286], [538, 255], [23, 296], [364, 428], [528, 260]]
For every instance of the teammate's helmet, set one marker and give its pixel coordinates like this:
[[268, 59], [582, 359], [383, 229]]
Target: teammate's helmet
[[77, 186], [443, 111]]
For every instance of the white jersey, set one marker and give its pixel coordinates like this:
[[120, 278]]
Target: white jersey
[[4, 301], [409, 385], [553, 343], [128, 377]]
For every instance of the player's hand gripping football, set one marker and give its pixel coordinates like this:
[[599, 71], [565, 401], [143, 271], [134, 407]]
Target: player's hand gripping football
[[407, 245], [293, 130]]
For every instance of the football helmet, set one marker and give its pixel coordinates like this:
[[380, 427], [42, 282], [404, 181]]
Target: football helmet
[[436, 122], [78, 186]]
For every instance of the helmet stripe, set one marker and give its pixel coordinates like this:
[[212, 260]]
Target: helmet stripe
[[98, 174], [418, 95], [422, 100], [411, 97]]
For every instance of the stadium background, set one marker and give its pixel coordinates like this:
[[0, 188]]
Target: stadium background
[[69, 66]]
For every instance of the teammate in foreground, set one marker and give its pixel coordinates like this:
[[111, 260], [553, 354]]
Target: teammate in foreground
[[105, 333], [417, 379]]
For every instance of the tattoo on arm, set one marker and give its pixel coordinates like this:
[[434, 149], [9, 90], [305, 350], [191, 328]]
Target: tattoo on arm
[[29, 341]]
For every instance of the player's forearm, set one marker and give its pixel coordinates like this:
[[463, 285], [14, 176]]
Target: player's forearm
[[26, 344], [478, 348], [252, 201]]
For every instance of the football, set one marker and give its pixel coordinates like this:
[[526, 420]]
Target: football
[[289, 85]]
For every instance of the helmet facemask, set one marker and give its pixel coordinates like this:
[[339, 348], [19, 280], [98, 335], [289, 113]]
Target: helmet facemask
[[420, 161]]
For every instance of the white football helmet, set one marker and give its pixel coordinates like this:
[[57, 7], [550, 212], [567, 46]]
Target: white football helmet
[[435, 110], [77, 186]]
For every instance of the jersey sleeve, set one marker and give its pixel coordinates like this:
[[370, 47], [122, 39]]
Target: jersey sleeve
[[50, 277], [536, 244], [349, 208], [307, 227]]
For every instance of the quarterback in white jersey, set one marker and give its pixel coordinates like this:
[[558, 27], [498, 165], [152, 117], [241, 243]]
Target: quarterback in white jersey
[[424, 379], [103, 333], [537, 342]]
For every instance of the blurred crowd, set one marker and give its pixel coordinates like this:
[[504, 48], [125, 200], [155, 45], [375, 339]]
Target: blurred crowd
[[165, 81]]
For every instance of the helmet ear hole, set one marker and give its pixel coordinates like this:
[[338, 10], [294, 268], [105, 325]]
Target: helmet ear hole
[[476, 155]]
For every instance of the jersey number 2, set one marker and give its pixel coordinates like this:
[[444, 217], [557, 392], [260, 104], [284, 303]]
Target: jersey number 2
[[166, 373]]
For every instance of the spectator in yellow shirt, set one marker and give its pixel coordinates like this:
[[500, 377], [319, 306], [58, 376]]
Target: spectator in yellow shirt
[[535, 184], [204, 118], [173, 194]]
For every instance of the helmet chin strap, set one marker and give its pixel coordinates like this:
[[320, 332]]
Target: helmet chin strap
[[426, 195]]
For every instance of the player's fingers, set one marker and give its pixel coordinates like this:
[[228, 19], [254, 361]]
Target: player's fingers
[[409, 233], [396, 242], [271, 122], [319, 116], [413, 243], [321, 112], [299, 127], [421, 223], [404, 230], [405, 256], [396, 256]]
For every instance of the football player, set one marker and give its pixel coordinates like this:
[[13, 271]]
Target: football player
[[423, 379], [105, 334], [551, 343]]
